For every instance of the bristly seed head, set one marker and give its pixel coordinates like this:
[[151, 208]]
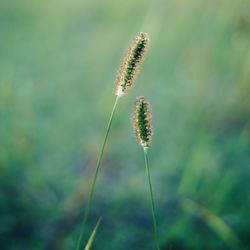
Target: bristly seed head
[[142, 122], [131, 62]]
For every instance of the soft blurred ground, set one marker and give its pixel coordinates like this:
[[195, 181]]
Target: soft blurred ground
[[58, 61]]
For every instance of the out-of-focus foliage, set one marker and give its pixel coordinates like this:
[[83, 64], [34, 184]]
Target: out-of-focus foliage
[[58, 61]]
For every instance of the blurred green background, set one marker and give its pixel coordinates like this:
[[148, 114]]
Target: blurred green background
[[58, 62]]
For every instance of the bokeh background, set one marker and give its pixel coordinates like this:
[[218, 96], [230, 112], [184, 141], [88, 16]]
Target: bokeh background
[[58, 62]]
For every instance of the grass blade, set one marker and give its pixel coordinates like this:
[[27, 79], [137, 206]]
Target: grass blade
[[214, 222], [92, 236], [152, 200], [92, 189]]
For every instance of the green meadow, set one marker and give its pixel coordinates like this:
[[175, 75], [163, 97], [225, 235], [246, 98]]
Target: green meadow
[[58, 64]]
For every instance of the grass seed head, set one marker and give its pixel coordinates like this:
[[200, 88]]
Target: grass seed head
[[142, 122], [130, 64]]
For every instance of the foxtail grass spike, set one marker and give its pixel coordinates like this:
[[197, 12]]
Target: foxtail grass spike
[[124, 80], [142, 122], [130, 64], [143, 133]]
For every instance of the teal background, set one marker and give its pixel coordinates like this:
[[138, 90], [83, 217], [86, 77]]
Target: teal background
[[58, 62]]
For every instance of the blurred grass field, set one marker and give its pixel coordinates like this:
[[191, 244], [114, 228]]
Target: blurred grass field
[[58, 62]]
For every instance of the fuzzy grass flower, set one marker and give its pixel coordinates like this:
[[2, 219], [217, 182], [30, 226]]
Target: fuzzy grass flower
[[127, 73], [131, 63], [143, 132], [142, 122]]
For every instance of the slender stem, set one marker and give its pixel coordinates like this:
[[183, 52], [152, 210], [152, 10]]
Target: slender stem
[[152, 198], [86, 213]]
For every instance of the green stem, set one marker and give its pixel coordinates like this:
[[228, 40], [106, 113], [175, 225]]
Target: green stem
[[152, 198], [86, 213]]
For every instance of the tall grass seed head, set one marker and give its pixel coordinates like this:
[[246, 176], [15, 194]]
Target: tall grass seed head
[[142, 122], [131, 63]]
